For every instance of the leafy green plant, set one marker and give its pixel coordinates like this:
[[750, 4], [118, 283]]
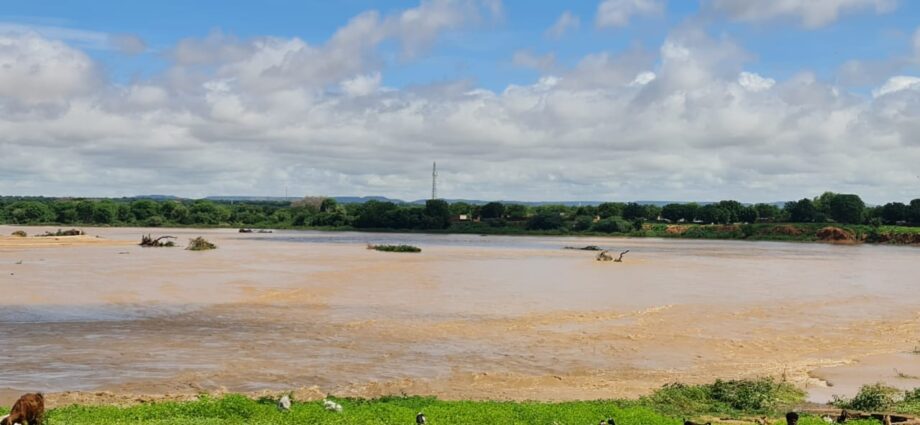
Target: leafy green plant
[[871, 397], [395, 248]]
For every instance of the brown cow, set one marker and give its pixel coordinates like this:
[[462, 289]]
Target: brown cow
[[29, 409]]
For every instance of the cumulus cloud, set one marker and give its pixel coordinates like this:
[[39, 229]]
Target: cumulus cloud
[[34, 69], [810, 13], [896, 84], [617, 13], [566, 22], [683, 121]]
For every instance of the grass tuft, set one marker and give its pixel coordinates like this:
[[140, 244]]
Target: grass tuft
[[394, 248], [200, 244]]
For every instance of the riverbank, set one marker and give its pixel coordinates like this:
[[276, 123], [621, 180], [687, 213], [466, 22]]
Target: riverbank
[[722, 402]]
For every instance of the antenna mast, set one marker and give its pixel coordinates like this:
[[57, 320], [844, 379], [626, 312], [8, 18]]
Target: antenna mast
[[434, 180]]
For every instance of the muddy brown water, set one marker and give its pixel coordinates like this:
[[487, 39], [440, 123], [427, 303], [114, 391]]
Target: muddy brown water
[[485, 317]]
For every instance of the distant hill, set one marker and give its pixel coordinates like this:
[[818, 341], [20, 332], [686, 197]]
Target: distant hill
[[363, 199]]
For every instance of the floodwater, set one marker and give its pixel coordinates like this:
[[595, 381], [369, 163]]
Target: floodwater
[[469, 317]]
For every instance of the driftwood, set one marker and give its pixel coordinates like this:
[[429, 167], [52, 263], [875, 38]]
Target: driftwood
[[585, 248], [245, 230], [605, 256], [148, 241]]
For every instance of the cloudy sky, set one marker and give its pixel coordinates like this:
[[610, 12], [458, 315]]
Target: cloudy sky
[[515, 99]]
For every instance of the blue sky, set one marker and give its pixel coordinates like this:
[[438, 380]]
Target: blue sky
[[482, 53], [483, 86]]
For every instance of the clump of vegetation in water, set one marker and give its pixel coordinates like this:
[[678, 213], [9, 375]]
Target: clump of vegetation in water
[[20, 233], [71, 232], [395, 248], [148, 241], [200, 244]]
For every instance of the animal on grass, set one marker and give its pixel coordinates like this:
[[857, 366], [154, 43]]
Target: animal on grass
[[332, 406], [844, 415], [284, 404], [420, 419], [30, 408], [792, 418]]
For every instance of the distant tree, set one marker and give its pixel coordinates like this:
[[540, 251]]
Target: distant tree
[[175, 212], [375, 214], [515, 211], [328, 205], [583, 223], [767, 212], [652, 212], [208, 213], [913, 214], [29, 212], [714, 214], [633, 211], [105, 212], [612, 225], [545, 220], [143, 209], [822, 203], [733, 208], [492, 210], [673, 212], [748, 214], [847, 209], [894, 212], [802, 211], [65, 212], [438, 213], [458, 208], [610, 209]]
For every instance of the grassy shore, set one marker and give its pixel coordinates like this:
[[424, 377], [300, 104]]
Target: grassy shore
[[668, 406]]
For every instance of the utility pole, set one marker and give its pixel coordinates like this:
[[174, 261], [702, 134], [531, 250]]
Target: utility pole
[[434, 180]]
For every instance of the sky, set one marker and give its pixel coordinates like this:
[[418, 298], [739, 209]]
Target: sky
[[684, 100]]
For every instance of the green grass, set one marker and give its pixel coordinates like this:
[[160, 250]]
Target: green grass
[[395, 248], [667, 406]]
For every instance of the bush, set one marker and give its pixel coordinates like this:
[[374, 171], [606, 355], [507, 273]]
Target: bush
[[747, 395], [20, 233], [395, 248], [200, 244], [871, 398]]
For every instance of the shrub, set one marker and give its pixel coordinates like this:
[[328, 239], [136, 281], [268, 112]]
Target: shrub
[[200, 244], [395, 248], [748, 395], [871, 397]]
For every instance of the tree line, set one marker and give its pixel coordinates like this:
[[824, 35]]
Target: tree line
[[608, 217]]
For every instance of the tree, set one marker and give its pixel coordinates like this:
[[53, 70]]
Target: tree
[[144, 209], [516, 211], [175, 212], [714, 214], [802, 211], [105, 212], [328, 205], [748, 214], [767, 212], [545, 220], [612, 225], [733, 208], [438, 211], [610, 209], [847, 209], [582, 223], [207, 212], [823, 203], [29, 212], [673, 212], [913, 214], [458, 208], [633, 211], [492, 210], [894, 212], [375, 214], [652, 212]]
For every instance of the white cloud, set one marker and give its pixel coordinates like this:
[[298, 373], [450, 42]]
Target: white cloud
[[755, 82], [566, 22], [231, 116], [896, 84], [362, 85], [35, 69], [811, 13], [617, 13]]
